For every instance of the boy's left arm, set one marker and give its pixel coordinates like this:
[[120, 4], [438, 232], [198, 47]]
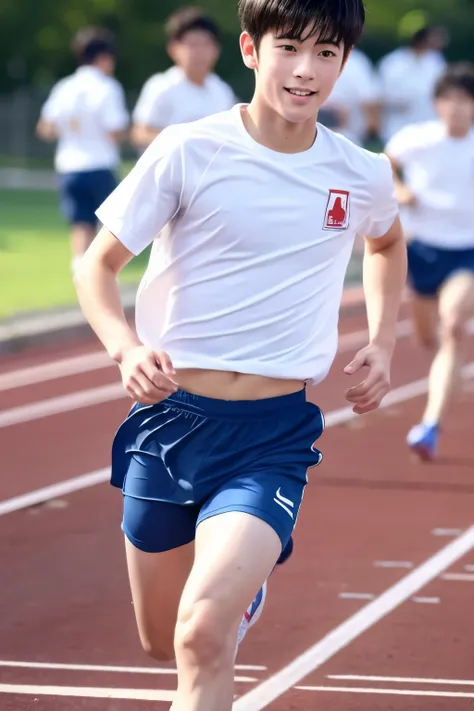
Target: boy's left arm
[[385, 270], [46, 130]]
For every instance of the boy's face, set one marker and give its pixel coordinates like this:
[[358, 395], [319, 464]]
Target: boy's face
[[196, 53], [106, 63], [456, 109], [294, 78]]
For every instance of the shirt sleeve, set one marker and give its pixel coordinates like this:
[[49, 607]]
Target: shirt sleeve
[[149, 197], [384, 205], [114, 113], [154, 106], [51, 109]]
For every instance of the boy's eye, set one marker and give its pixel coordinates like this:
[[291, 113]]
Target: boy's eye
[[288, 47], [327, 53]]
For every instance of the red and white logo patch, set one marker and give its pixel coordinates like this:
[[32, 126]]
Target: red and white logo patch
[[337, 210]]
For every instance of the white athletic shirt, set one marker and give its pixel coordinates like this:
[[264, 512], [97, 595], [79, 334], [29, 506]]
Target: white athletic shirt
[[248, 274], [440, 172], [171, 98], [408, 79], [85, 108]]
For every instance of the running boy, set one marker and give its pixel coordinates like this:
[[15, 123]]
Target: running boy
[[437, 160], [86, 113], [257, 208], [189, 90]]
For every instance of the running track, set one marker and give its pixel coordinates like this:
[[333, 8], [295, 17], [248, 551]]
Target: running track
[[372, 613]]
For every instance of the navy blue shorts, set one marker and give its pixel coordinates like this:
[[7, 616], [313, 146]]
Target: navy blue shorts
[[189, 458], [83, 192], [430, 267]]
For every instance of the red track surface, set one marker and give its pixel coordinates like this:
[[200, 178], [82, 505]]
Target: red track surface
[[64, 596]]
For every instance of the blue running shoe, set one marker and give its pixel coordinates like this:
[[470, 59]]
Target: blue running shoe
[[253, 613], [423, 440]]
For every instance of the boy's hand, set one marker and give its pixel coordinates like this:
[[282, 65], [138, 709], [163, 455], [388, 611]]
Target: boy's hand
[[147, 375], [369, 394], [404, 196]]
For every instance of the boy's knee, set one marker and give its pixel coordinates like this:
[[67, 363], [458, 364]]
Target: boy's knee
[[453, 328], [200, 634]]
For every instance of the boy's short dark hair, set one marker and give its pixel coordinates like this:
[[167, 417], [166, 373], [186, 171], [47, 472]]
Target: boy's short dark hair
[[340, 21], [187, 20], [90, 42], [456, 76], [421, 36]]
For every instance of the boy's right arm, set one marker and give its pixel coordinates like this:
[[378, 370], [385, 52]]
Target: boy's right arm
[[399, 150], [151, 113], [147, 375], [404, 195]]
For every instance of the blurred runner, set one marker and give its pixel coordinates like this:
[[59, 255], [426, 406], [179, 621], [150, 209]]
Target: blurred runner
[[189, 90], [86, 114], [408, 76], [437, 159]]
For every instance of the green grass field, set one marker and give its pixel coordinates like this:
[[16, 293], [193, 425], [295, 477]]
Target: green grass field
[[35, 254]]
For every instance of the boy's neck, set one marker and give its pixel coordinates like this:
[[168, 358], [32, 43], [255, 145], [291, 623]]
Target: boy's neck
[[199, 80], [458, 132], [268, 128]]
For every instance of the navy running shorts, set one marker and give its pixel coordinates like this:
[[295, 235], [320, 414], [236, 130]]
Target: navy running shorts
[[189, 458], [83, 192], [430, 267]]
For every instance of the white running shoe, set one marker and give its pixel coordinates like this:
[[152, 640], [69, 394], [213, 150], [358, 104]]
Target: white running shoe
[[253, 613]]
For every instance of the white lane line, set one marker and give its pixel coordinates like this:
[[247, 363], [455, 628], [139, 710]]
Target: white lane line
[[63, 403], [458, 577], [400, 680], [446, 532], [427, 600], [395, 564], [56, 369], [87, 692], [337, 417], [369, 596], [118, 670], [387, 692], [47, 493], [314, 657]]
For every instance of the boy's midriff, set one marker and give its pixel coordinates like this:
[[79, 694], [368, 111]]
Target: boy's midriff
[[225, 385]]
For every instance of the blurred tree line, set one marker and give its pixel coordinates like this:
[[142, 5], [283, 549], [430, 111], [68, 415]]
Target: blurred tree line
[[36, 34]]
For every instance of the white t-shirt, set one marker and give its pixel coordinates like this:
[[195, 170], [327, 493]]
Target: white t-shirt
[[408, 80], [248, 274], [358, 85], [440, 172], [85, 108], [171, 98]]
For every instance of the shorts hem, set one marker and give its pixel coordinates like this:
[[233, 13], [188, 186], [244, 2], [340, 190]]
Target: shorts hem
[[145, 548], [252, 511]]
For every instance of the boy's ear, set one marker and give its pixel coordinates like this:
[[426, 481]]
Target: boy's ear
[[249, 52], [170, 48]]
